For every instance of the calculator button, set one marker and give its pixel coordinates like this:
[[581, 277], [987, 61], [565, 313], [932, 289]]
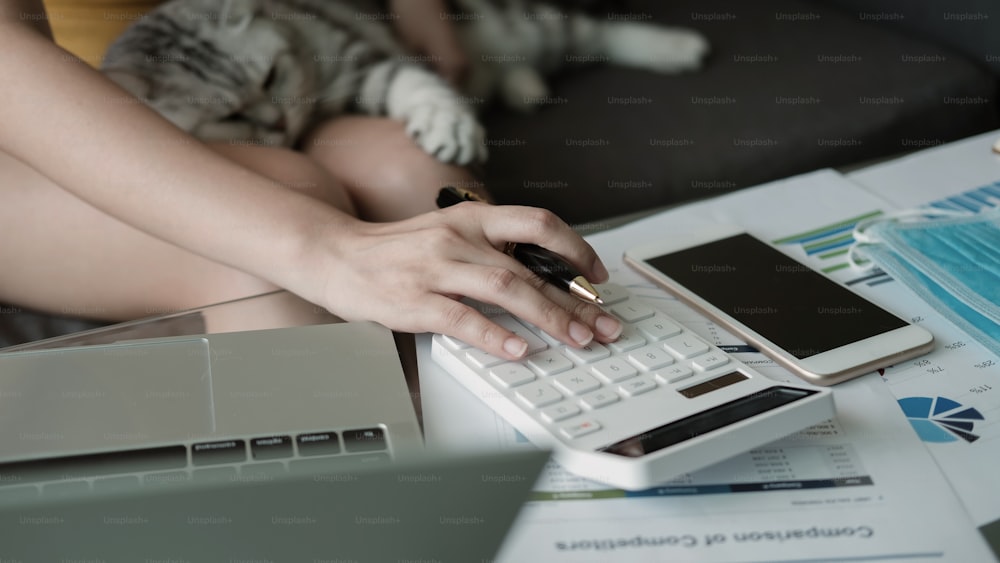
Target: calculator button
[[599, 399], [580, 428], [452, 342], [612, 293], [560, 411], [637, 386], [512, 375], [673, 374], [650, 357], [482, 359], [535, 344], [631, 311], [613, 370], [576, 382], [685, 346], [549, 362], [588, 354], [658, 328], [538, 394], [551, 340], [630, 339], [709, 361]]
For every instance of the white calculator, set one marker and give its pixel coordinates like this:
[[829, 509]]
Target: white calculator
[[657, 403]]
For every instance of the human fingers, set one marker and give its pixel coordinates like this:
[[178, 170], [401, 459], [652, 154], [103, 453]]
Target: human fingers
[[537, 308], [606, 327], [454, 318], [509, 223], [513, 288]]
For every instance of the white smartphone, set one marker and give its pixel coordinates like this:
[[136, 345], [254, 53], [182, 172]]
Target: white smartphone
[[810, 324]]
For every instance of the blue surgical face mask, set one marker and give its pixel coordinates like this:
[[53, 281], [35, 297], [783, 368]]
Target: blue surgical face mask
[[952, 261]]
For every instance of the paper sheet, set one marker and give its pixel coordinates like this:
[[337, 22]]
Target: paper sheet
[[865, 487], [961, 378]]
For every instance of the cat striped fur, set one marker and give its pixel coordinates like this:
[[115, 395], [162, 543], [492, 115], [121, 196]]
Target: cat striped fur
[[263, 71]]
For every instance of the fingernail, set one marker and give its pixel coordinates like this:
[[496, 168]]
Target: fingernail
[[580, 334], [609, 327], [515, 346]]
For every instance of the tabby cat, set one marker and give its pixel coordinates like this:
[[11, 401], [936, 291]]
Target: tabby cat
[[262, 71]]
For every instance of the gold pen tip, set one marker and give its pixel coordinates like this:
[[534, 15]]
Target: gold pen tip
[[581, 288]]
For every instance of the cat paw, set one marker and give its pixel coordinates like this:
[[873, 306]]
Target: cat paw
[[660, 49], [449, 134]]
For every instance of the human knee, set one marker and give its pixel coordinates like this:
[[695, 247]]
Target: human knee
[[292, 170], [302, 174]]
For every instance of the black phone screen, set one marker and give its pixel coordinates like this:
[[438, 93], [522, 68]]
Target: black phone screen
[[774, 295]]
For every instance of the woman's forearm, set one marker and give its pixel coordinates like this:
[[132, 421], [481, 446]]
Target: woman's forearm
[[29, 12], [424, 26], [104, 146], [94, 140]]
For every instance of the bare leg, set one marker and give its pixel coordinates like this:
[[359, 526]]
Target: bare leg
[[388, 176], [60, 255]]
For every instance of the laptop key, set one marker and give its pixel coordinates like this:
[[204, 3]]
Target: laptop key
[[318, 443], [212, 453], [364, 440], [271, 447]]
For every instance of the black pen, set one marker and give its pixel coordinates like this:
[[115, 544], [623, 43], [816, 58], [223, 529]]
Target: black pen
[[543, 262]]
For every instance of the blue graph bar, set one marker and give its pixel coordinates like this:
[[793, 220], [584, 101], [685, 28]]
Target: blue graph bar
[[831, 246], [824, 234], [975, 200]]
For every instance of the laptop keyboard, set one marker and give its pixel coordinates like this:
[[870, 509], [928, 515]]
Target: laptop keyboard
[[245, 459]]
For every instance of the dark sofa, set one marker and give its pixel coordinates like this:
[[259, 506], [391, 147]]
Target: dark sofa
[[790, 86]]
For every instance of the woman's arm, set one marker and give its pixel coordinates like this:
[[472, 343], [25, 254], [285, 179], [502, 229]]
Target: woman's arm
[[67, 121], [96, 141], [31, 12], [425, 27]]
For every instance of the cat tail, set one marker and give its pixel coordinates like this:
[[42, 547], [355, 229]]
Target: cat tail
[[436, 116]]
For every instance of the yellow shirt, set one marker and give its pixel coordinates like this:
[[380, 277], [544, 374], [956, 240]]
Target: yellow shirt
[[87, 27]]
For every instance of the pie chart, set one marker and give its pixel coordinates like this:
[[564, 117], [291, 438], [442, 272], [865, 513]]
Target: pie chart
[[939, 419]]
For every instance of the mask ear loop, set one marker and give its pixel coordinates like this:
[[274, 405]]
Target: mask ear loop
[[862, 237]]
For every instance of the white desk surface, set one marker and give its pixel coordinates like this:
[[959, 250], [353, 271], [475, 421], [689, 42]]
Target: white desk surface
[[915, 500]]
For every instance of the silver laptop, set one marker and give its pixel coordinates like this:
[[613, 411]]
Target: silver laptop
[[300, 443], [204, 406], [433, 510]]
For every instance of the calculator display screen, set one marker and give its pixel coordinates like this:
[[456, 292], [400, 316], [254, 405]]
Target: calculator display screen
[[707, 421]]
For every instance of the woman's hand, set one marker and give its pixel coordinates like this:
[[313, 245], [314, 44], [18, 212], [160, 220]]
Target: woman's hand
[[410, 276]]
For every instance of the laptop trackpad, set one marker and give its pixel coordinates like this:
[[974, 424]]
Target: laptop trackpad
[[101, 397]]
